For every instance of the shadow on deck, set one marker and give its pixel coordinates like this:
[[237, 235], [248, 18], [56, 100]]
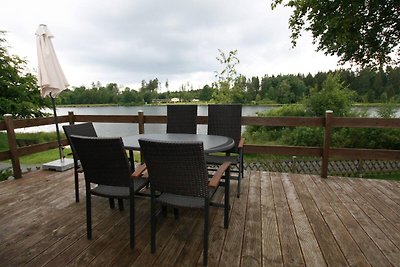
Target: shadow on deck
[[280, 219]]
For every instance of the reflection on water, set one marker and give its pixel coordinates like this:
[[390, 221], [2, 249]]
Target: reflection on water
[[124, 129]]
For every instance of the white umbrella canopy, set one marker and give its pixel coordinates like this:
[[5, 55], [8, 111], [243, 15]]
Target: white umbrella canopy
[[51, 78]]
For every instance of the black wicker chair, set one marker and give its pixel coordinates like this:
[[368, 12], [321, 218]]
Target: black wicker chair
[[178, 173], [84, 129], [182, 119], [226, 120], [106, 164]]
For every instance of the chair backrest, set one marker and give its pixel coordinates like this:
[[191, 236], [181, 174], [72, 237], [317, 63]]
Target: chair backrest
[[182, 119], [225, 120], [176, 167], [103, 159], [83, 129]]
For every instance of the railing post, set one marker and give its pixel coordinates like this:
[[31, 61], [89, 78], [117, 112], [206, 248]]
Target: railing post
[[294, 163], [71, 117], [141, 122], [327, 143], [12, 144]]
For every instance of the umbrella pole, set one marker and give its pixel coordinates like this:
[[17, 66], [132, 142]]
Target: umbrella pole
[[57, 129]]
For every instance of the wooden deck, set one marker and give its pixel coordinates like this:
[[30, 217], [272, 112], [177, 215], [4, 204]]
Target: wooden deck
[[280, 219]]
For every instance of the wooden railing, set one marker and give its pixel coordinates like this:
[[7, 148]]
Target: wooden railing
[[325, 152]]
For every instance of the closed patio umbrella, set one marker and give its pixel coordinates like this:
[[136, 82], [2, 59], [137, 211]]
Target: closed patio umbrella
[[51, 78]]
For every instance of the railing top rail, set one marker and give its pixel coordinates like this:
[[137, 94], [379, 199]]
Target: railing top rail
[[246, 120]]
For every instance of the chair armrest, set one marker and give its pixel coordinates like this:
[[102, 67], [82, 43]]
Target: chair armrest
[[214, 182], [138, 173], [241, 142]]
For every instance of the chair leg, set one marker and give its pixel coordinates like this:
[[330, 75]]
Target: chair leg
[[226, 198], [88, 215], [164, 211], [76, 176], [121, 204], [176, 213], [242, 164], [131, 217], [112, 204], [153, 223], [240, 175], [205, 237]]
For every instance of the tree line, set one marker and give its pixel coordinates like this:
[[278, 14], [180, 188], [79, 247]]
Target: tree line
[[368, 85]]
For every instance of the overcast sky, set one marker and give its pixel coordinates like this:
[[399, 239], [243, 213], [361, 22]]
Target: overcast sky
[[127, 41]]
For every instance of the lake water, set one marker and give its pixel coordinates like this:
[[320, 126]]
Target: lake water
[[124, 129]]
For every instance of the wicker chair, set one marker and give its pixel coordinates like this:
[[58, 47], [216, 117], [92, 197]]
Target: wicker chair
[[84, 129], [178, 173], [106, 165], [182, 119], [226, 120]]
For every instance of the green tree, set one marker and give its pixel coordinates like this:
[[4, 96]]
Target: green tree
[[363, 32], [252, 88], [206, 93], [226, 77], [387, 110], [19, 93], [333, 96]]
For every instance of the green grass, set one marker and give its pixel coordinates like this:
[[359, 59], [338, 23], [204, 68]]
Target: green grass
[[3, 142], [43, 157], [50, 155], [39, 137], [392, 176]]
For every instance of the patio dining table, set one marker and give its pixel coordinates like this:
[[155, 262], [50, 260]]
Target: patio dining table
[[211, 143]]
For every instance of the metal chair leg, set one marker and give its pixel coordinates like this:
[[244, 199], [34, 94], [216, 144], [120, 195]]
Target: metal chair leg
[[205, 237], [88, 215], [131, 216], [176, 213], [76, 177], [226, 199], [152, 224], [120, 204], [112, 204]]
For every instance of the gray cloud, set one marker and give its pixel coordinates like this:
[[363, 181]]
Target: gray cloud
[[127, 41]]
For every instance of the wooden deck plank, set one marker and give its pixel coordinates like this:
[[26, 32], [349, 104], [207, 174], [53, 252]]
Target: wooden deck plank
[[345, 209], [279, 220], [388, 214], [232, 249], [323, 199], [252, 244], [216, 237], [308, 243], [45, 192], [78, 246], [382, 200], [106, 257], [373, 223], [177, 242], [271, 246], [388, 188], [326, 240], [164, 236], [291, 251], [31, 231], [142, 246]]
